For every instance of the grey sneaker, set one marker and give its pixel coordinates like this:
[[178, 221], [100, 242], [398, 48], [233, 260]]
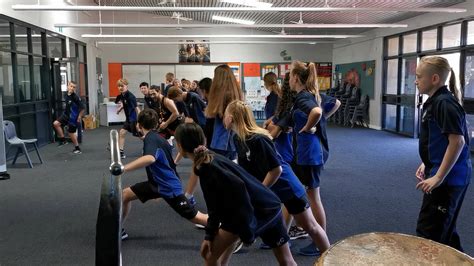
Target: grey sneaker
[[297, 233], [77, 151]]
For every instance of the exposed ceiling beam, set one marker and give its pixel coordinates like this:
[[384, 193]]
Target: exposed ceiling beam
[[234, 9], [304, 26], [274, 36]]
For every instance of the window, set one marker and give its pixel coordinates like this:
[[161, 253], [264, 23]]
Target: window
[[38, 90], [454, 61], [82, 53], [393, 46], [4, 34], [21, 38], [390, 117], [429, 39], [24, 82], [392, 76], [409, 43], [6, 78], [470, 32], [452, 36], [55, 46], [72, 49], [36, 41], [469, 77], [409, 75]]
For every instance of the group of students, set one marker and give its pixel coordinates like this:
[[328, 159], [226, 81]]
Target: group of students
[[247, 172]]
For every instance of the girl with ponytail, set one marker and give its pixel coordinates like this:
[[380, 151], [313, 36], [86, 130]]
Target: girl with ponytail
[[258, 156], [239, 205], [445, 171]]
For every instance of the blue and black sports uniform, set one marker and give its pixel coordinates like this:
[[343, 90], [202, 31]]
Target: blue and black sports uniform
[[271, 105], [327, 104], [219, 139], [129, 103], [309, 151], [258, 156], [284, 141], [195, 108], [163, 180], [238, 203], [442, 116], [73, 108]]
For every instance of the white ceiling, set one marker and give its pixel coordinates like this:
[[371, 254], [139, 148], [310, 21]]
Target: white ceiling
[[308, 17]]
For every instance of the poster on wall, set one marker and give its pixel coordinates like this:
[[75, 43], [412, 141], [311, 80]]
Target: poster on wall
[[235, 67], [194, 52], [324, 75]]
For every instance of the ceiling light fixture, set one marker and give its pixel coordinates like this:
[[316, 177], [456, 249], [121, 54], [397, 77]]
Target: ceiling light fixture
[[211, 42], [235, 9], [273, 36], [308, 26], [233, 20], [252, 3]]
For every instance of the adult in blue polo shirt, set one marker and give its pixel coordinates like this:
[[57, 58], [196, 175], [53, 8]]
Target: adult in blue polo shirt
[[445, 172]]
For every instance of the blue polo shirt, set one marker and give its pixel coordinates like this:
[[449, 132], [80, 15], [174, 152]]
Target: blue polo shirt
[[271, 104], [284, 141], [443, 115], [162, 172], [327, 104], [74, 106], [129, 102]]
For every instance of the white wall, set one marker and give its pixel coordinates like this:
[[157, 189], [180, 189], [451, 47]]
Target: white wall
[[371, 48]]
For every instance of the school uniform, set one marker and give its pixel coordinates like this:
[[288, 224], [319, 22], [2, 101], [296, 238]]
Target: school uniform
[[238, 203], [129, 103], [443, 115], [271, 105], [284, 141], [163, 180], [195, 108], [74, 106], [309, 152], [257, 155], [219, 139], [327, 104]]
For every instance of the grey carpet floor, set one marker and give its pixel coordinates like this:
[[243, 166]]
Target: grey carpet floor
[[48, 213]]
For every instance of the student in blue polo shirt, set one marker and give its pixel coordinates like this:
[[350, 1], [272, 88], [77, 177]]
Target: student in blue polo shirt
[[145, 89], [193, 104], [445, 172], [163, 181], [270, 81], [239, 205], [128, 103], [258, 156]]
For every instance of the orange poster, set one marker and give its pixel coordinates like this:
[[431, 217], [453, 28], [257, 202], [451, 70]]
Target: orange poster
[[251, 70]]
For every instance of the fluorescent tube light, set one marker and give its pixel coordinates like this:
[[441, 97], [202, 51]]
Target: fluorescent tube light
[[233, 20], [235, 9], [274, 36], [211, 42], [252, 3], [304, 26]]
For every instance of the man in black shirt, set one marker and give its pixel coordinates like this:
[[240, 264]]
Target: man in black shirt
[[71, 117], [145, 89]]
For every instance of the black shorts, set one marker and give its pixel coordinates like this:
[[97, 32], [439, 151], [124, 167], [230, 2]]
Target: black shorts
[[296, 205], [146, 191], [132, 128], [309, 175], [65, 121], [275, 234]]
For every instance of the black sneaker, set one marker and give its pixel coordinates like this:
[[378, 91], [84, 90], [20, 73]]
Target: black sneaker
[[77, 150], [124, 234], [297, 233], [62, 143], [122, 155]]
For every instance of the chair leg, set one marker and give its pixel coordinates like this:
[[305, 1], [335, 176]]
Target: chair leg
[[37, 152], [18, 150], [25, 151]]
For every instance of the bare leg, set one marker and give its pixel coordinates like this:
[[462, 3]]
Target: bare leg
[[127, 197], [122, 135], [317, 206], [74, 139], [178, 158], [283, 255], [221, 248], [192, 182], [200, 218], [309, 224], [58, 128]]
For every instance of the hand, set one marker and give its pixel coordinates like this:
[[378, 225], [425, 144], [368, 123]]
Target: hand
[[420, 173], [266, 123], [79, 120], [206, 249], [163, 125], [310, 130], [429, 184], [188, 120]]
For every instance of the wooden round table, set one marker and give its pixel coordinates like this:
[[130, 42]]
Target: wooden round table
[[391, 249]]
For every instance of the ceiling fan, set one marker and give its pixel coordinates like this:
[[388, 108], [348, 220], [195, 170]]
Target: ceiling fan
[[299, 22], [282, 32]]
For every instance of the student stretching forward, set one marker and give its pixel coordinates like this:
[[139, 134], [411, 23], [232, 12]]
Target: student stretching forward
[[257, 154], [239, 205], [163, 181]]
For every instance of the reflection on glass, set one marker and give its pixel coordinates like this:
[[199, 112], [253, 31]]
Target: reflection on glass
[[6, 78], [24, 82], [453, 60], [470, 121], [392, 76], [407, 119], [390, 117], [393, 46], [81, 53], [470, 32], [4, 34], [36, 41], [429, 39], [409, 75], [39, 92], [452, 35], [72, 49], [55, 47], [409, 43], [21, 38], [469, 77]]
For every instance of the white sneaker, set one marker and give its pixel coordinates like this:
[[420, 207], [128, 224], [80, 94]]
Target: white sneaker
[[238, 246]]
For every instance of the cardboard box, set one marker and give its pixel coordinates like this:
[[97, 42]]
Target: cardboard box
[[89, 122]]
